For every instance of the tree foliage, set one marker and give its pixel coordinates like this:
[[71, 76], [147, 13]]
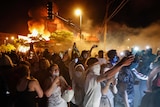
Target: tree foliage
[[7, 48], [62, 36], [63, 40]]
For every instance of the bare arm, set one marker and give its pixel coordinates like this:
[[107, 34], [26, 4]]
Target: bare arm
[[50, 86], [63, 80], [38, 89], [151, 77], [107, 86], [110, 73], [114, 86], [35, 86], [126, 61], [64, 84]]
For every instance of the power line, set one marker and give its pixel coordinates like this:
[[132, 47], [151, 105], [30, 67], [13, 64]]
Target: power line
[[120, 6], [107, 19]]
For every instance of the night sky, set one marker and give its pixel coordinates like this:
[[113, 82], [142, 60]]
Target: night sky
[[136, 13]]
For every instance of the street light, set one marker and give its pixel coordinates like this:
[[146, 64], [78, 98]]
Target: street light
[[12, 38], [78, 12]]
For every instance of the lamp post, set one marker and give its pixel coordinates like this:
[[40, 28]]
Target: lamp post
[[78, 12]]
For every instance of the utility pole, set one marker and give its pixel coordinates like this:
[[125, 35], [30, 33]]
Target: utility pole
[[108, 18], [106, 24]]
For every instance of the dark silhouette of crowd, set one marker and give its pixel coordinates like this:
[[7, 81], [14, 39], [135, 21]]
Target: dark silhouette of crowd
[[106, 79]]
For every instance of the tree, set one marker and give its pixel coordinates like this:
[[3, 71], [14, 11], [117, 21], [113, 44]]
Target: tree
[[63, 38], [7, 48]]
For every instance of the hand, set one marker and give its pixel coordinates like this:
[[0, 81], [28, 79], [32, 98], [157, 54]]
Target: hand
[[57, 81], [69, 88], [94, 46], [127, 60], [115, 81], [111, 80]]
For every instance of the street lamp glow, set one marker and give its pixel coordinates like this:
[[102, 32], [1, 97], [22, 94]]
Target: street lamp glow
[[136, 48], [12, 38], [78, 12], [6, 38], [147, 47]]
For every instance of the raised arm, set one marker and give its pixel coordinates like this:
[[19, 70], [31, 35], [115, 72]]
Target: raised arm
[[110, 73], [107, 86], [126, 61]]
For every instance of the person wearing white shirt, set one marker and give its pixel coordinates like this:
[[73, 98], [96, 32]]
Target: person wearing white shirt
[[93, 78]]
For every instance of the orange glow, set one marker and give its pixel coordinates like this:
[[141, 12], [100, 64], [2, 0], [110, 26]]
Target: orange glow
[[35, 32], [78, 12], [23, 49]]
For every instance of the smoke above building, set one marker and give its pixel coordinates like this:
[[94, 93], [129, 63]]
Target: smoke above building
[[119, 36]]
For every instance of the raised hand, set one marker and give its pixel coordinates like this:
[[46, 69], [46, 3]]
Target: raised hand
[[125, 61]]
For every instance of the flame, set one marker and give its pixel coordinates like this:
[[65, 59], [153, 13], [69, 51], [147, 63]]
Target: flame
[[36, 26], [23, 49], [35, 32]]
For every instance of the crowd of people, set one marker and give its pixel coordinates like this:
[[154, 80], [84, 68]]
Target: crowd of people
[[42, 79]]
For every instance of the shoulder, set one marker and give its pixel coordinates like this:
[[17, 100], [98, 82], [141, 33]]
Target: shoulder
[[33, 81], [92, 78], [62, 78]]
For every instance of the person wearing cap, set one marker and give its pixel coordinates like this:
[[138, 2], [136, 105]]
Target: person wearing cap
[[93, 78]]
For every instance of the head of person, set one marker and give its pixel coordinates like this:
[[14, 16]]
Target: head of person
[[93, 65], [66, 56], [149, 51], [105, 68], [79, 70], [84, 54], [135, 63], [23, 71], [100, 53], [127, 53], [75, 57], [46, 50], [56, 58], [112, 55], [54, 70], [158, 53], [44, 64]]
